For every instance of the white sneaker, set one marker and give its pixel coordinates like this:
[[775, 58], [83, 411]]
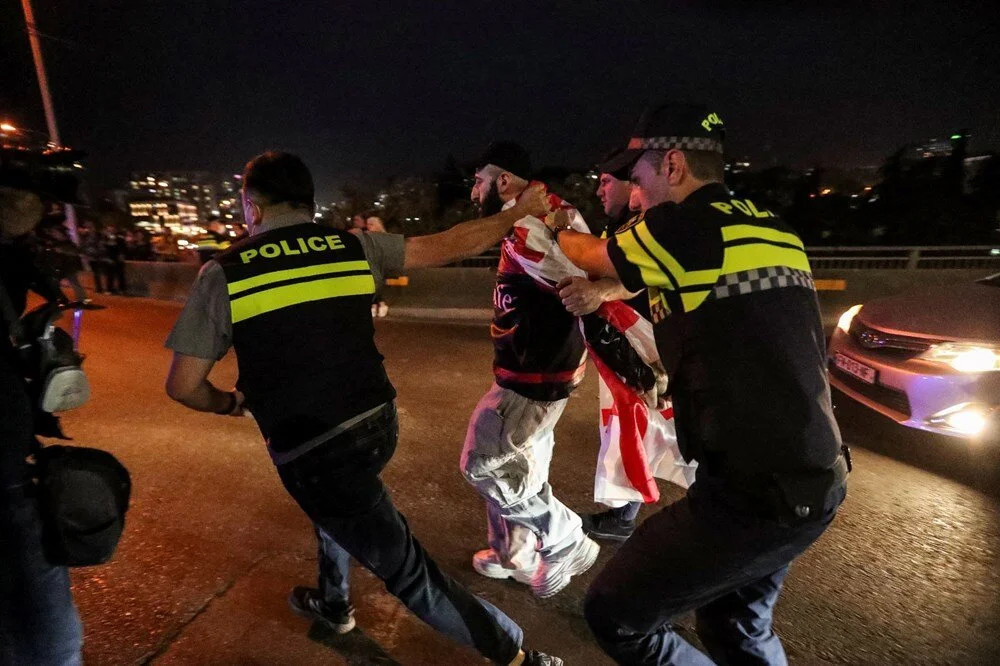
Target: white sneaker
[[553, 576], [487, 563]]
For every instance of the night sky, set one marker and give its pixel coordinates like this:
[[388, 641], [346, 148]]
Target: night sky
[[366, 90]]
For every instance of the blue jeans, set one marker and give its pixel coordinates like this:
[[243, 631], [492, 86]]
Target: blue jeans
[[38, 621], [337, 484], [701, 553], [334, 563]]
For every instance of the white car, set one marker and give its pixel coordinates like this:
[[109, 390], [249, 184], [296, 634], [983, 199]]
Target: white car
[[928, 359]]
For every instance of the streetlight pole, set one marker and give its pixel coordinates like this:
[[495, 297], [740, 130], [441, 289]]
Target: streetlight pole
[[50, 114]]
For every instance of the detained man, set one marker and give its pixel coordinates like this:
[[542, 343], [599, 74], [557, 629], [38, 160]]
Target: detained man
[[539, 359], [582, 296]]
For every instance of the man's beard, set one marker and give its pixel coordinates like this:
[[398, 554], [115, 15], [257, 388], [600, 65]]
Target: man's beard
[[492, 204]]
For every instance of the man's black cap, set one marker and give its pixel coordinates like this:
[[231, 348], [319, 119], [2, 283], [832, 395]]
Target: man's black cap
[[509, 156], [610, 165], [670, 126]]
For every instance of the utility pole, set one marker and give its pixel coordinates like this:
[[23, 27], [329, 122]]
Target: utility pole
[[50, 114]]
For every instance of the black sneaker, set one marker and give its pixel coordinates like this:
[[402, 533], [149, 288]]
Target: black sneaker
[[532, 658], [607, 525], [308, 602]]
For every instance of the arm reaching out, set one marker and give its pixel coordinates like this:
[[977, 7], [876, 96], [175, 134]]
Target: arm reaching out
[[475, 236], [586, 251]]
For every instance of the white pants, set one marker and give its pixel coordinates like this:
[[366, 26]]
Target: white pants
[[507, 452]]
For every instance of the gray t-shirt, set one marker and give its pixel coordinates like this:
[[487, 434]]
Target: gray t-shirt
[[205, 329]]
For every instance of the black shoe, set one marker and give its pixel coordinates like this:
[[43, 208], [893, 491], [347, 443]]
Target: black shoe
[[532, 658], [607, 525], [308, 602]]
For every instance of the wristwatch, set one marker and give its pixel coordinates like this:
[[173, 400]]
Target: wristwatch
[[565, 227]]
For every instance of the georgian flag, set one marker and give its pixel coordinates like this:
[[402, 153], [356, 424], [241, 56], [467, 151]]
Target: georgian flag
[[638, 444]]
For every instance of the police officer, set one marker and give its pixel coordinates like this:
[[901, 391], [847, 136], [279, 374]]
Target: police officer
[[293, 300], [581, 296], [738, 330]]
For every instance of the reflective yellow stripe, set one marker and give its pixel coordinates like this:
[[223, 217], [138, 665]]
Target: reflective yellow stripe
[[693, 299], [741, 231], [748, 257], [276, 298], [684, 278], [651, 274], [293, 273]]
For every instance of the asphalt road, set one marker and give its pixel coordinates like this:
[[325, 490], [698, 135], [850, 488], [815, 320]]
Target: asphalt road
[[908, 573]]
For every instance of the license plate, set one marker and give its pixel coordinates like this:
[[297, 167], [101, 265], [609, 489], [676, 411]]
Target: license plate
[[852, 367]]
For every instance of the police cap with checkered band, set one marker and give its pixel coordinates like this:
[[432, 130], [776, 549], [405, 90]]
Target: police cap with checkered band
[[669, 126]]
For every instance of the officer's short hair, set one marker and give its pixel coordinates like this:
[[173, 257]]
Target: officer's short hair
[[280, 178], [704, 165]]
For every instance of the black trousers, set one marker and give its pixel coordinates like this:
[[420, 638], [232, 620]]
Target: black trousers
[[338, 486], [700, 553]]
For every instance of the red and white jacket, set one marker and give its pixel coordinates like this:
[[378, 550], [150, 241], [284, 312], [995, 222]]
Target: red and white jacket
[[538, 348]]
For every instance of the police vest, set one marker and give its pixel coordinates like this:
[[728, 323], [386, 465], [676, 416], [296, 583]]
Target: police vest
[[626, 220], [300, 303], [738, 329]]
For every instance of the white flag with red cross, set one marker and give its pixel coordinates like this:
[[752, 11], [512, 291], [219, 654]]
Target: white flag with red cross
[[638, 444]]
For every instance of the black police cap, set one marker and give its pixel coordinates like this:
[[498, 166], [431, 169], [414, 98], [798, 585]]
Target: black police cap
[[669, 126], [611, 166], [509, 156]]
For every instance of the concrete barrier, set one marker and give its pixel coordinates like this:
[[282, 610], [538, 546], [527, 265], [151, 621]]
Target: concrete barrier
[[467, 293], [166, 281]]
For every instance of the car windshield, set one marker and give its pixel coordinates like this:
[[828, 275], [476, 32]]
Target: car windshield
[[991, 281]]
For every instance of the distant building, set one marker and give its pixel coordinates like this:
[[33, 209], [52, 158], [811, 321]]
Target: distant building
[[157, 214], [928, 150], [935, 157], [230, 209], [183, 200]]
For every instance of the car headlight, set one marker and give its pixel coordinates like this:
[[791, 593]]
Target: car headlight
[[844, 323], [964, 419], [964, 358]]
